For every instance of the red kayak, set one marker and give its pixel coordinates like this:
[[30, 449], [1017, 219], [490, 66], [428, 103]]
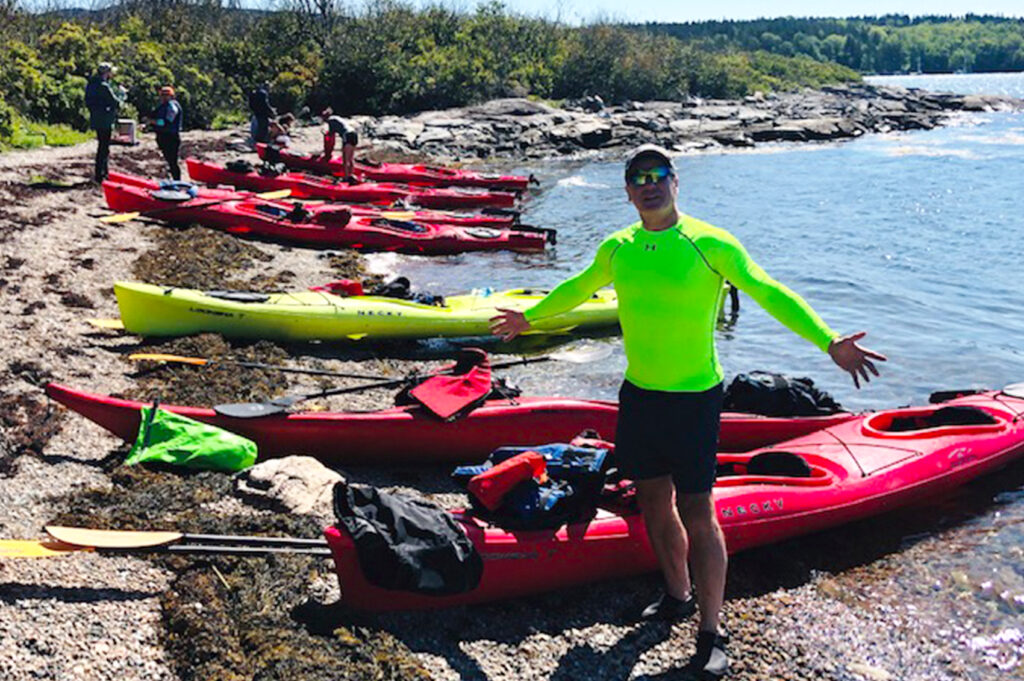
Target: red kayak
[[321, 226], [498, 218], [410, 173], [308, 187], [408, 434], [865, 466]]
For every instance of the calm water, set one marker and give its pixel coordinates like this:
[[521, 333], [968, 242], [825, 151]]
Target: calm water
[[917, 238]]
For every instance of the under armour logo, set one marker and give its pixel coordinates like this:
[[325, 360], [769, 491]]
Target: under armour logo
[[650, 247]]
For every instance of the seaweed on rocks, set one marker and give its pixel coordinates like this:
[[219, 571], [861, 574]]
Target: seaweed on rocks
[[197, 258], [213, 383], [26, 425], [230, 618], [351, 265]]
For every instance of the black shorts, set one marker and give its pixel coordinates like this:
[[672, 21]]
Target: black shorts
[[669, 433], [349, 137]]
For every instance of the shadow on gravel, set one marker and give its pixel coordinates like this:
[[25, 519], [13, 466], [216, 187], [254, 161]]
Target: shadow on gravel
[[12, 593]]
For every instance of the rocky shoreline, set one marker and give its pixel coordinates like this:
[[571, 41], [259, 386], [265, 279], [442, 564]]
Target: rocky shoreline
[[818, 608], [526, 129]]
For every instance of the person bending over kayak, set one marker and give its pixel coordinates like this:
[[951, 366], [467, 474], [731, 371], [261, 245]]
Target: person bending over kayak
[[338, 126], [668, 269]]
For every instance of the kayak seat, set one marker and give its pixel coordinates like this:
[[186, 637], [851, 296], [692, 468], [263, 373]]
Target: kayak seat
[[771, 468], [946, 416], [239, 296], [779, 463]]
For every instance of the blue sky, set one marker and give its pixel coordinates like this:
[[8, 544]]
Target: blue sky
[[574, 11]]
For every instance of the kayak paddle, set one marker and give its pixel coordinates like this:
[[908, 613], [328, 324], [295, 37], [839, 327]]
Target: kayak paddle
[[125, 217], [200, 361], [279, 405], [64, 540]]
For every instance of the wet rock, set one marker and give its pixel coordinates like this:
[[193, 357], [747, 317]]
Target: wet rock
[[294, 484], [398, 128]]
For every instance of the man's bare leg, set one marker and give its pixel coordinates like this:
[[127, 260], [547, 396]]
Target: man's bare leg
[[665, 532], [708, 557]]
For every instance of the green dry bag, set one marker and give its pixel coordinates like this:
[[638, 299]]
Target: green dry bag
[[180, 441]]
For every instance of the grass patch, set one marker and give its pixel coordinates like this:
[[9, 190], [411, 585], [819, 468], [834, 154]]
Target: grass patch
[[28, 134], [227, 120]]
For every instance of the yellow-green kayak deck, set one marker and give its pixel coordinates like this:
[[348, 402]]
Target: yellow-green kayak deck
[[150, 310]]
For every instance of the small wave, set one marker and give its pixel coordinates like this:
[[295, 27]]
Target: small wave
[[382, 263], [580, 181], [1008, 139], [933, 152]]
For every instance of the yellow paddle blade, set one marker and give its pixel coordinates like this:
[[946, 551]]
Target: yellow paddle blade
[[398, 215], [277, 194], [115, 324], [119, 217], [357, 336], [35, 548], [158, 357], [111, 539]]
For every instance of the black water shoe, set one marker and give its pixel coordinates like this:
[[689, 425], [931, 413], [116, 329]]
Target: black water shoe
[[710, 662], [668, 608]]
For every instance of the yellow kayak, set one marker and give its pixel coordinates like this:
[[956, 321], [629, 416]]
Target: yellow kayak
[[150, 310]]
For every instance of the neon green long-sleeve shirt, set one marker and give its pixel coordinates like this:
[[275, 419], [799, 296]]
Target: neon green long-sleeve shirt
[[669, 285]]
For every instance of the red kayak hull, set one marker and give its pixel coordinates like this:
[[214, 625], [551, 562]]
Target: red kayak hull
[[500, 220], [858, 470], [403, 172], [407, 434], [329, 227], [306, 187]]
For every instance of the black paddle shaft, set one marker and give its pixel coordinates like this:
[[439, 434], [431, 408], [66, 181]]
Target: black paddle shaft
[[279, 405], [289, 400]]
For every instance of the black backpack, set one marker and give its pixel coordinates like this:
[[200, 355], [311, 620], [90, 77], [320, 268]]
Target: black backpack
[[768, 394]]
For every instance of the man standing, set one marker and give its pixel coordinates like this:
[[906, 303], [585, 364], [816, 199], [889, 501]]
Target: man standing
[[339, 127], [262, 112], [103, 103], [668, 270], [166, 121]]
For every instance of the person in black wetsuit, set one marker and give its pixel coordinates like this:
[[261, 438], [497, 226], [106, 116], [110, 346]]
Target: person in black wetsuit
[[165, 120]]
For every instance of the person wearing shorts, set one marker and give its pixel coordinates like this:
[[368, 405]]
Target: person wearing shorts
[[339, 127], [668, 270]]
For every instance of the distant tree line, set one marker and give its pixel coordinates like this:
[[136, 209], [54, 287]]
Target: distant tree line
[[385, 57], [889, 44]]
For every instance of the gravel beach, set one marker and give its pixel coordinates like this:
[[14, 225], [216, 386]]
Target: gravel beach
[[804, 610]]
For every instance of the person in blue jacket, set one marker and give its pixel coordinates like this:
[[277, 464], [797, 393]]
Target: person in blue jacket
[[103, 102], [166, 122]]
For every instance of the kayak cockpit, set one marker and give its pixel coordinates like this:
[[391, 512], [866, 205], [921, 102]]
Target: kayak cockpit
[[935, 421], [771, 467]]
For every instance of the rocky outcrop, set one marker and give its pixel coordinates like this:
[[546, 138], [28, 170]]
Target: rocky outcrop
[[523, 128]]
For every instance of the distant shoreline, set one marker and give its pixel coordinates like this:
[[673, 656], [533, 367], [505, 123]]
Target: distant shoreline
[[523, 129]]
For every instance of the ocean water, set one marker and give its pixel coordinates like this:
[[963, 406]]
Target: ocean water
[[916, 238]]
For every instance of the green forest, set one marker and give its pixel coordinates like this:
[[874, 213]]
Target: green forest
[[389, 57], [890, 44]]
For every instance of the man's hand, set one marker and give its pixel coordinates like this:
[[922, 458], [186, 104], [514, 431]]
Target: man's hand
[[509, 324], [853, 358]]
